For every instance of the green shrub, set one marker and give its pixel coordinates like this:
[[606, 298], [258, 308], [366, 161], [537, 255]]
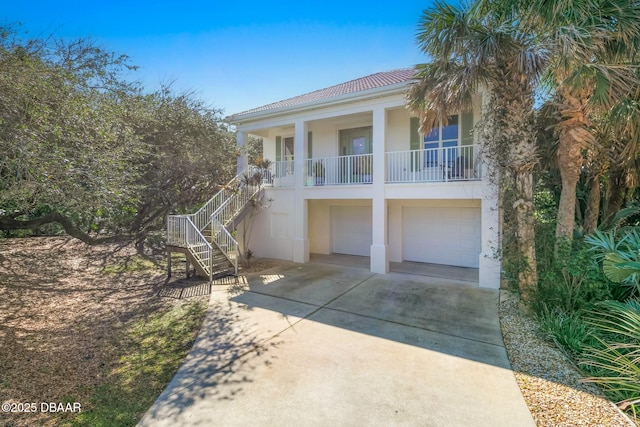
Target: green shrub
[[570, 280], [615, 362], [569, 331]]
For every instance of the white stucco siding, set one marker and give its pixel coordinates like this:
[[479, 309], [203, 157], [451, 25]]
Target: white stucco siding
[[325, 121], [321, 113], [398, 130], [324, 142], [326, 132], [269, 148], [272, 234], [437, 190]]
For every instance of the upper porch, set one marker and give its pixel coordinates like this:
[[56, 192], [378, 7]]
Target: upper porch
[[375, 142]]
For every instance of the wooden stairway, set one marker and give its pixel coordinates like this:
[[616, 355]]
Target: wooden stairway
[[205, 237]]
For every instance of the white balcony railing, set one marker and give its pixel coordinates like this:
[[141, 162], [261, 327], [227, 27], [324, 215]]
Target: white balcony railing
[[460, 163], [342, 170], [279, 174]]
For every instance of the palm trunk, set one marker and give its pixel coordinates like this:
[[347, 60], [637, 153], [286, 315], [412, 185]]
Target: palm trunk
[[514, 119], [573, 136], [592, 211], [569, 163], [523, 206], [615, 193], [523, 160]]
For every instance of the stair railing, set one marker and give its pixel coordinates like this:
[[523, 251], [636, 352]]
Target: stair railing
[[176, 226], [233, 205], [219, 212], [225, 242], [225, 214], [203, 215], [177, 229], [192, 239]]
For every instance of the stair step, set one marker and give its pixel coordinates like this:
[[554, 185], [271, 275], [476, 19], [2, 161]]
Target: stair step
[[222, 274]]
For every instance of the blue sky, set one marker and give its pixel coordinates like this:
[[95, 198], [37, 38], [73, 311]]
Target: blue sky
[[241, 56]]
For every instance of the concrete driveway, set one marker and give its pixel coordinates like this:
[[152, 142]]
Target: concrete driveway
[[317, 344]]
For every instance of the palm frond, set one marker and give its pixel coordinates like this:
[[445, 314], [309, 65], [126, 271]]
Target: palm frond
[[622, 215], [603, 242]]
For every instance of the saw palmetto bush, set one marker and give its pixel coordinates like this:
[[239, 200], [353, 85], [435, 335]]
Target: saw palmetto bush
[[619, 252], [615, 361]]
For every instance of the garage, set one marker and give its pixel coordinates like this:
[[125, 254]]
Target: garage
[[351, 230], [441, 235]]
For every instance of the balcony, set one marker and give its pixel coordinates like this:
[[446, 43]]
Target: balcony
[[447, 164], [279, 174], [342, 170], [459, 163]]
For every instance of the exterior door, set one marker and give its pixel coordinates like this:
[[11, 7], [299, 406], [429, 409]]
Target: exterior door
[[284, 156], [355, 141]]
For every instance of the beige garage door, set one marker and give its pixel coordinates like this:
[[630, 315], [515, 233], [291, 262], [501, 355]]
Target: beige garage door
[[441, 235], [351, 230]]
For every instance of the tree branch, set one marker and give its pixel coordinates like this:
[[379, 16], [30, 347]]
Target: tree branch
[[8, 223]]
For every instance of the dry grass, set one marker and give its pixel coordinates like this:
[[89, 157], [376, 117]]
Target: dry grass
[[64, 307]]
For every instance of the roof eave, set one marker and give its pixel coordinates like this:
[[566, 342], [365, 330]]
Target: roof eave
[[336, 100]]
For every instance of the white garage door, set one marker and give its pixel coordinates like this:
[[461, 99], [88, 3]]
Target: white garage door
[[351, 228], [448, 236]]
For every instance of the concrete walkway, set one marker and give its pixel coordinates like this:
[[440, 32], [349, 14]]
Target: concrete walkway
[[317, 345]]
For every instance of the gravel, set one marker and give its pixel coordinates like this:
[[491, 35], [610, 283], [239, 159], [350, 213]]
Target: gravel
[[550, 383]]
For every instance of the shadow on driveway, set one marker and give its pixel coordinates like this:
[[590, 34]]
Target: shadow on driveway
[[318, 344]]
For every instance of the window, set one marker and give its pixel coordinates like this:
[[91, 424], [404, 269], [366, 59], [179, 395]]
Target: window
[[442, 142]]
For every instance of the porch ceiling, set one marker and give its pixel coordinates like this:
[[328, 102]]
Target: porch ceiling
[[362, 119], [345, 121], [265, 132]]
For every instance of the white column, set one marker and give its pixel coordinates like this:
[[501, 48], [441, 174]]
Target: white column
[[379, 247], [489, 262], [242, 160], [300, 233]]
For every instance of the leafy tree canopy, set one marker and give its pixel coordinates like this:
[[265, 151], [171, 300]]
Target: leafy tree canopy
[[84, 148]]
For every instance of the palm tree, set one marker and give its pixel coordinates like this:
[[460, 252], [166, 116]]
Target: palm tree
[[473, 50], [624, 153], [593, 44], [595, 168], [615, 157]]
